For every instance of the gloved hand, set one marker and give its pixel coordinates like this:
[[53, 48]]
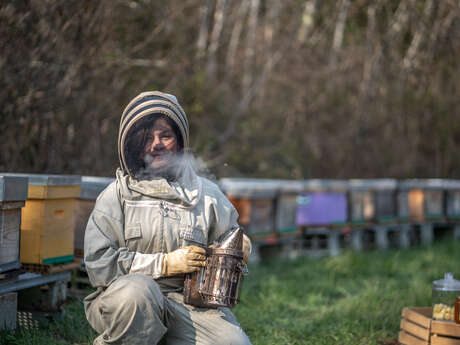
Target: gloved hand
[[247, 248], [184, 260]]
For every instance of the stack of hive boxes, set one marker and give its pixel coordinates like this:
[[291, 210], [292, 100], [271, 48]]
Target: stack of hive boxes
[[13, 193]]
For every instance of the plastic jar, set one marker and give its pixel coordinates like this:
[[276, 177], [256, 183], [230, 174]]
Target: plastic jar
[[444, 294]]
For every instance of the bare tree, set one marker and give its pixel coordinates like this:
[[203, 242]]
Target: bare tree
[[219, 15], [250, 45], [236, 36], [307, 22], [205, 10], [339, 29], [411, 58]]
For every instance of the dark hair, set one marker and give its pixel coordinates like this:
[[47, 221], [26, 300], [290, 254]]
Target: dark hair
[[137, 136]]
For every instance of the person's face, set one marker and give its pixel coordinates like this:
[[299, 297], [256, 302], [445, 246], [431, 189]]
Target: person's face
[[161, 144]]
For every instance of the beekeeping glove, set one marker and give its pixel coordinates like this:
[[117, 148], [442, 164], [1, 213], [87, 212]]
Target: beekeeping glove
[[247, 248], [183, 260]]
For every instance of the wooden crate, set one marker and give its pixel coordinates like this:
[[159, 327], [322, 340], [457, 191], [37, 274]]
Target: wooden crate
[[8, 308], [445, 333], [10, 224], [417, 328], [48, 219]]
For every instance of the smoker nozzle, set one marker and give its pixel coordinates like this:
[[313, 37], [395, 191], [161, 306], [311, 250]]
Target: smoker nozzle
[[232, 239]]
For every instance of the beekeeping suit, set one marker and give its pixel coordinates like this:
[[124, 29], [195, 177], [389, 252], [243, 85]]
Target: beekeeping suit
[[145, 232]]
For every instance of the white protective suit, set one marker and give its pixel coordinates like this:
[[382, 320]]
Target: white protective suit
[[134, 223]]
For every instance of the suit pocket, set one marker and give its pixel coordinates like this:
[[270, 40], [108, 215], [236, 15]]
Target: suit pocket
[[133, 231], [193, 235]]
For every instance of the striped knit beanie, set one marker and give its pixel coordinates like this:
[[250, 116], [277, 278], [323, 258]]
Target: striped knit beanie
[[145, 105]]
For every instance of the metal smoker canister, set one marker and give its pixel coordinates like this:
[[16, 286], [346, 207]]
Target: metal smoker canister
[[218, 284]]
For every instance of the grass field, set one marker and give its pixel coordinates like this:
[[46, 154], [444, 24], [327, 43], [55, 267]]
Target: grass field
[[355, 298]]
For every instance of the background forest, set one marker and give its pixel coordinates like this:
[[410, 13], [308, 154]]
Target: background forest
[[272, 88]]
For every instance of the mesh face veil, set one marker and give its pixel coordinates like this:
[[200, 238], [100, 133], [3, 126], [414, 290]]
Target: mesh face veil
[[138, 118]]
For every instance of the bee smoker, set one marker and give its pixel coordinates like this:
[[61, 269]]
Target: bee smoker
[[218, 284]]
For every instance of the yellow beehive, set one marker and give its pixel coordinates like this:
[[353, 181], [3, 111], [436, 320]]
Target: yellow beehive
[[48, 220]]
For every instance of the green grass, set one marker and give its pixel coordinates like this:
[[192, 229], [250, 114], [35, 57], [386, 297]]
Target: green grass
[[355, 298]]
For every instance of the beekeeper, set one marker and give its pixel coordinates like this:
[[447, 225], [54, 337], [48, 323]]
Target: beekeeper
[[148, 228]]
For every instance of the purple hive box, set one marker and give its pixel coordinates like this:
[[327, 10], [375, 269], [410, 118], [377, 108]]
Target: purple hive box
[[321, 209]]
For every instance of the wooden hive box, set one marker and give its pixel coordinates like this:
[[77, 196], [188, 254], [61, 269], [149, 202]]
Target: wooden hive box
[[361, 202], [372, 200], [13, 193], [91, 187], [323, 203], [255, 200], [48, 221], [421, 200], [452, 194], [286, 206], [417, 328]]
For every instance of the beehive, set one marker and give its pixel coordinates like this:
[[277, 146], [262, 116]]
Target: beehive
[[48, 221], [421, 200], [286, 205], [323, 203], [372, 200], [452, 194], [91, 187], [255, 201], [13, 193]]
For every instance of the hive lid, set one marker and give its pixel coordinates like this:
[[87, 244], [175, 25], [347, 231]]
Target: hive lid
[[13, 188], [447, 284], [373, 184], [325, 185], [249, 188], [50, 180], [92, 186], [451, 184], [290, 186], [432, 183]]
